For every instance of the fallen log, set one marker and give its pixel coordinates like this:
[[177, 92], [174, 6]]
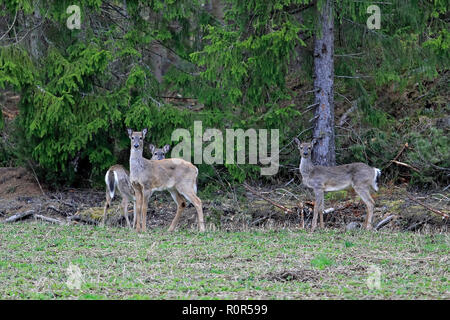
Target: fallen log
[[19, 216], [48, 219], [383, 222]]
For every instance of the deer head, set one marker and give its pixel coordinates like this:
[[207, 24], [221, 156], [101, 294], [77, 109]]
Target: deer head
[[305, 148], [158, 153], [137, 139]]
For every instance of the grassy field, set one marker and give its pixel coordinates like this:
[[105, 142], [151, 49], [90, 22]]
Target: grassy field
[[117, 263]]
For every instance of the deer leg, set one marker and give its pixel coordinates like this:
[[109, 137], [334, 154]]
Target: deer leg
[[365, 196], [317, 207], [138, 195], [125, 210], [321, 208], [146, 196], [134, 213], [181, 204], [192, 197]]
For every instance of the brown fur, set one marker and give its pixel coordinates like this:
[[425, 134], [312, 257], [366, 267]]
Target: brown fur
[[358, 175], [124, 185], [177, 176]]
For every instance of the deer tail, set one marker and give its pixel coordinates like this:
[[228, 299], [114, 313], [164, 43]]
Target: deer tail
[[375, 178], [111, 181]]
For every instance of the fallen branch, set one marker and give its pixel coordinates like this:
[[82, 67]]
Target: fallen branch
[[415, 226], [19, 216], [443, 214], [405, 165], [54, 209], [262, 219], [398, 154], [383, 222], [287, 210], [48, 219], [79, 218]]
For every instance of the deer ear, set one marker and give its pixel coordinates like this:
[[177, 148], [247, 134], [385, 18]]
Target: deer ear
[[166, 148], [314, 141], [297, 141], [152, 148], [144, 132], [130, 132]]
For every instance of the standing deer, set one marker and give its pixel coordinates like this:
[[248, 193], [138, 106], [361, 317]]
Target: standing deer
[[177, 176], [118, 177], [358, 175]]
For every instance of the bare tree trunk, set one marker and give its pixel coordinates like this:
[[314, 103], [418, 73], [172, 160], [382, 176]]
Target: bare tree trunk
[[324, 150], [35, 41]]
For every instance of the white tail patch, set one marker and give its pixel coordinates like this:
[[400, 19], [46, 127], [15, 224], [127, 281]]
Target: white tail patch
[[377, 174], [116, 182], [111, 188], [108, 187]]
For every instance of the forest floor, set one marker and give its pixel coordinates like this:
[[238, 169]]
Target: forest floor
[[271, 207]]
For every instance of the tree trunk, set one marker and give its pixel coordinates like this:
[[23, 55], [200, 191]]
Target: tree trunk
[[35, 40], [324, 153]]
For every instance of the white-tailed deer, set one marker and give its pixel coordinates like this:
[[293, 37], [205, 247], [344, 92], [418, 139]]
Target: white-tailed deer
[[358, 175], [158, 153], [118, 177], [177, 176]]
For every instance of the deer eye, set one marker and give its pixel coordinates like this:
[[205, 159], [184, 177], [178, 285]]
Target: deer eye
[[140, 138]]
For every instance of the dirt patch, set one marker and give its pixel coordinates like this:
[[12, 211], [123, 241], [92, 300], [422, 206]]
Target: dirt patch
[[16, 182], [294, 275]]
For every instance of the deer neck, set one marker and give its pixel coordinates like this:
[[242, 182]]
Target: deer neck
[[137, 162], [306, 166]]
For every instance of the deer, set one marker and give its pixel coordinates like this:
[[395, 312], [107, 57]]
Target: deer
[[158, 153], [119, 177], [177, 176], [361, 177]]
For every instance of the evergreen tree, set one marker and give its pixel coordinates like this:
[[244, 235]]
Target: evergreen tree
[[246, 64]]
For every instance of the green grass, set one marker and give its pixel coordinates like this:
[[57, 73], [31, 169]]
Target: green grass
[[117, 263]]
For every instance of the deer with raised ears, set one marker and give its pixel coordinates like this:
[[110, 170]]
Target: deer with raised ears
[[117, 177], [177, 176], [158, 153], [358, 175]]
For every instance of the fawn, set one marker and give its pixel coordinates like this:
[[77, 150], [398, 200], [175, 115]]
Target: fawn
[[177, 176], [358, 175], [119, 177]]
